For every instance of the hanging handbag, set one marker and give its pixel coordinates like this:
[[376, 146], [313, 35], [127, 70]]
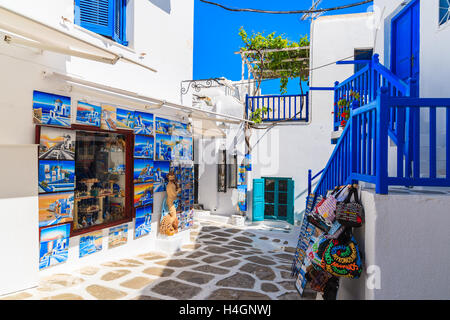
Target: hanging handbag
[[313, 249], [318, 279], [315, 219], [327, 208], [341, 257], [350, 214]]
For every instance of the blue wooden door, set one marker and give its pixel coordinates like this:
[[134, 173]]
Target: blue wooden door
[[290, 214], [258, 200], [405, 60]]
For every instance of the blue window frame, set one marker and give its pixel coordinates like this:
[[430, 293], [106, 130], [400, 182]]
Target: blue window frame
[[444, 11], [105, 17]]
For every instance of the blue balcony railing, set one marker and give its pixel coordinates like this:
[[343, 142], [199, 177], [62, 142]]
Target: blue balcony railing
[[362, 152], [280, 107]]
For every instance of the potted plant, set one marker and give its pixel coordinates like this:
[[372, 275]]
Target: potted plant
[[344, 107]]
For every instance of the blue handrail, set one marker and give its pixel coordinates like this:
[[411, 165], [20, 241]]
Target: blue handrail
[[289, 107]]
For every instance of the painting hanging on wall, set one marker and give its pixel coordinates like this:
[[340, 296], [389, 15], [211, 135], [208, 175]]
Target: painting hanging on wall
[[143, 170], [125, 118], [242, 197], [118, 236], [241, 174], [143, 223], [143, 123], [108, 117], [160, 175], [51, 109], [88, 114], [54, 245], [55, 208], [163, 126], [55, 176], [56, 144], [143, 146], [179, 129], [248, 162], [164, 146], [91, 243], [143, 194]]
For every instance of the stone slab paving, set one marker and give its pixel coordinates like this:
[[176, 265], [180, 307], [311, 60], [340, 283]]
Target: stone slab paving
[[241, 263]]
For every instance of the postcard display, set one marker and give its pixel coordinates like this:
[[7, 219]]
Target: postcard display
[[66, 199]]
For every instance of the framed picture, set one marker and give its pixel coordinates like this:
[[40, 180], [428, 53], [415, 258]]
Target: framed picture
[[56, 144], [143, 146], [51, 109], [160, 175], [165, 147], [55, 208], [242, 197], [143, 123], [91, 243], [118, 236], [248, 162], [108, 117], [88, 114], [143, 170], [125, 118], [54, 245], [143, 222], [163, 126], [143, 194], [56, 176]]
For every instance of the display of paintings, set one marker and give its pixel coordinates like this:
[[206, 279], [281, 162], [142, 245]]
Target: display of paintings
[[51, 109], [89, 114], [164, 147], [160, 173], [118, 236], [56, 144], [143, 170], [125, 118], [248, 162], [182, 148], [143, 123], [56, 176], [143, 146], [54, 245], [242, 197], [143, 222], [241, 174], [109, 118], [163, 126], [143, 194], [91, 243], [55, 208]]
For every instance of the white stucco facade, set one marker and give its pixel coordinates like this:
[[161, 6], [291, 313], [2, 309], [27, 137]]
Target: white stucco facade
[[162, 30]]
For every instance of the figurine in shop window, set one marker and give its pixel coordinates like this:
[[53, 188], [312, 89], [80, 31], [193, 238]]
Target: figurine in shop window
[[169, 220]]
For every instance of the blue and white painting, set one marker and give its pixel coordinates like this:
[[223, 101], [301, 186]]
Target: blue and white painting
[[51, 109], [248, 162], [242, 197], [55, 176], [89, 114], [164, 147], [143, 123], [143, 170], [91, 243], [54, 245], [144, 146], [125, 118], [143, 222], [163, 126], [179, 129], [160, 175]]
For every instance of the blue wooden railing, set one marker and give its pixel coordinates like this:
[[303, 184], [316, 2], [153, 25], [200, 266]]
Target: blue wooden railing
[[280, 107], [362, 152]]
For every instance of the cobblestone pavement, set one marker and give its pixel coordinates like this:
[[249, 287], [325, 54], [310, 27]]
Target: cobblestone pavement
[[221, 262]]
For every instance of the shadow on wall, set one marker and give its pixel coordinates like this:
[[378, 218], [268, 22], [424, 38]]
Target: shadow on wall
[[162, 4]]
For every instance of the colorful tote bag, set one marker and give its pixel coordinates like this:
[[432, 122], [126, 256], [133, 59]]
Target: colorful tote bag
[[342, 259], [350, 214], [313, 251]]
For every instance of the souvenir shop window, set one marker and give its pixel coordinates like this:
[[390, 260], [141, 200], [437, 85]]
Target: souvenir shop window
[[101, 184]]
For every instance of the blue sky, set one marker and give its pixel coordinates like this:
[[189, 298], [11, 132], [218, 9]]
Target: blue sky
[[216, 34]]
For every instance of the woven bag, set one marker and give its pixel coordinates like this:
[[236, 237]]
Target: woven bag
[[350, 214]]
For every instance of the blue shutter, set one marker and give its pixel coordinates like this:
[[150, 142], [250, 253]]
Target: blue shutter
[[96, 16], [290, 201], [119, 30], [258, 200]]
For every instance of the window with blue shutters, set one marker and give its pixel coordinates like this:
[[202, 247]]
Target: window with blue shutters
[[444, 11], [105, 17]]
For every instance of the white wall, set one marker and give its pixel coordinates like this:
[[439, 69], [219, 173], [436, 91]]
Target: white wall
[[406, 236], [161, 29], [289, 150]]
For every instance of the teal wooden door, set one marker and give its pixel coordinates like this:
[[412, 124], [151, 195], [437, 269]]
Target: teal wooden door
[[290, 199], [279, 199], [258, 200]]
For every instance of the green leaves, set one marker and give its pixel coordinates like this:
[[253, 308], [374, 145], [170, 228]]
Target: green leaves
[[258, 114], [283, 65]]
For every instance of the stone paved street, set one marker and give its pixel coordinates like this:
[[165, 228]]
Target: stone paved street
[[221, 262]]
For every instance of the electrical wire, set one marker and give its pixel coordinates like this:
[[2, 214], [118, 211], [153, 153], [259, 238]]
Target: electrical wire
[[289, 11]]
